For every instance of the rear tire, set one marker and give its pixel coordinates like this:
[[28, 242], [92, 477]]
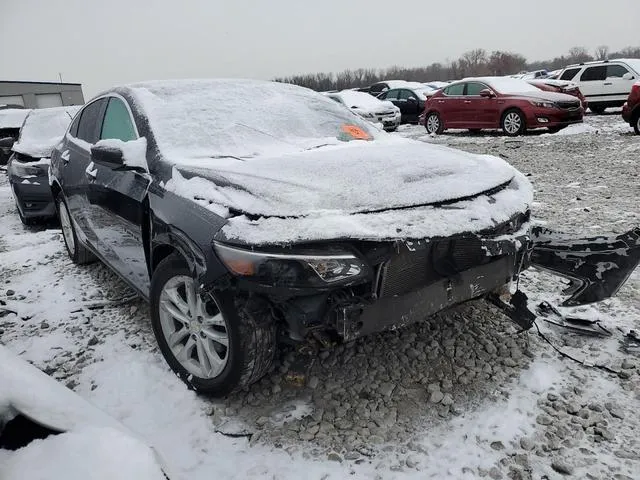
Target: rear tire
[[597, 109], [217, 345], [636, 123], [513, 123], [433, 123], [78, 253]]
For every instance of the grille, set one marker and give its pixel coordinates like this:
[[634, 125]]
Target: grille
[[569, 105], [385, 113]]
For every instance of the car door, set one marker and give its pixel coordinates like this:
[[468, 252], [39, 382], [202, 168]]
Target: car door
[[117, 196], [450, 105], [409, 104], [481, 112], [592, 81], [617, 88], [75, 160]]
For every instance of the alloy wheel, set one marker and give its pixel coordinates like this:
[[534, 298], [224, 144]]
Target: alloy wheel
[[67, 228], [512, 123], [433, 123], [195, 330]]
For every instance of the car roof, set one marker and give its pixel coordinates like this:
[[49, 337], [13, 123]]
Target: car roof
[[603, 62]]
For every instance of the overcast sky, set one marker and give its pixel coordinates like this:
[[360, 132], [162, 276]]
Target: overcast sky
[[108, 42]]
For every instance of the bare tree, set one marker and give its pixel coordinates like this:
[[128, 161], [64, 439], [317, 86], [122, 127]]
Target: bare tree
[[579, 55], [474, 61], [602, 52]]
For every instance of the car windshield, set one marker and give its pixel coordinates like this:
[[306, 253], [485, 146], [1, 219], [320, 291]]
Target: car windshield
[[633, 63], [244, 118], [43, 128], [359, 99], [508, 85]]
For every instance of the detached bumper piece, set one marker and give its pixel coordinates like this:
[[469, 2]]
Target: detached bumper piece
[[595, 266]]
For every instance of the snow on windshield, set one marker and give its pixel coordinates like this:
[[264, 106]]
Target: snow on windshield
[[359, 99], [13, 117], [243, 118], [509, 85], [42, 129]]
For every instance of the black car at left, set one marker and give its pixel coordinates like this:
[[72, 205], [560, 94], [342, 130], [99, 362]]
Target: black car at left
[[410, 99], [28, 166], [11, 120]]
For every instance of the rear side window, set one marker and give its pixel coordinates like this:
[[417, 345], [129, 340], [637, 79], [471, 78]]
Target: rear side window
[[454, 90], [89, 121], [569, 73], [594, 73], [117, 122], [616, 71], [474, 88]]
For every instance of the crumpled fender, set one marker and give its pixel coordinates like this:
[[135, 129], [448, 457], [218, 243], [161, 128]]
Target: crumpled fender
[[596, 266]]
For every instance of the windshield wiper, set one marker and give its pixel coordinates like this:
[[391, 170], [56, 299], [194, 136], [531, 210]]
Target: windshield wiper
[[229, 156]]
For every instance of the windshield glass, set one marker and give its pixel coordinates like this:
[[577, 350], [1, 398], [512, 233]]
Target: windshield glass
[[43, 128], [244, 118]]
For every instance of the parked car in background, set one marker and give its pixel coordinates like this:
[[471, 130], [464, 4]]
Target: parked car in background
[[379, 87], [410, 98], [11, 120], [532, 75], [436, 85], [242, 228], [28, 166], [368, 107], [631, 108], [605, 83], [508, 103], [560, 86]]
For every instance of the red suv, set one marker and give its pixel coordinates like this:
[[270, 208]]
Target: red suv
[[631, 109], [511, 104]]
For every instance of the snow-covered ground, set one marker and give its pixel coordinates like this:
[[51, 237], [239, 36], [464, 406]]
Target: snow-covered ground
[[458, 396]]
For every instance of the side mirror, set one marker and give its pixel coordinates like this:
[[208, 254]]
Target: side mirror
[[7, 142], [109, 156], [354, 106], [628, 76], [486, 93], [412, 100]]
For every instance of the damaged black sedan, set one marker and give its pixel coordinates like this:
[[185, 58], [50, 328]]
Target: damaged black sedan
[[249, 213]]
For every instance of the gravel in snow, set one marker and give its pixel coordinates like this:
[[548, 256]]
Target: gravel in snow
[[461, 395]]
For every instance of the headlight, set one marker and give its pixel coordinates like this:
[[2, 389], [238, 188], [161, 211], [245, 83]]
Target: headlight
[[541, 104], [26, 170], [304, 269]]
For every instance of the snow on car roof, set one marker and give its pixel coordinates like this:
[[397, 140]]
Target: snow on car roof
[[243, 118], [43, 129], [506, 85], [13, 117]]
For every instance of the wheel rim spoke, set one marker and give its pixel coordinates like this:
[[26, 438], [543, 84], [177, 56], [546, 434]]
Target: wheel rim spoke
[[194, 328]]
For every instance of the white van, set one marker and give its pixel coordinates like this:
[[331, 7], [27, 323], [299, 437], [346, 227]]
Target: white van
[[604, 83]]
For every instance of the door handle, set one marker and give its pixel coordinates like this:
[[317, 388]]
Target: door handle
[[65, 157], [440, 101], [91, 173], [467, 101]]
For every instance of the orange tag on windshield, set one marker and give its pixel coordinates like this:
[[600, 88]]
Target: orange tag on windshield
[[356, 132]]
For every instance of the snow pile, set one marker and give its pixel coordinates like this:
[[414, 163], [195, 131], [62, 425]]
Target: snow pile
[[576, 129], [400, 173], [134, 152], [43, 129], [86, 454], [13, 117], [243, 118]]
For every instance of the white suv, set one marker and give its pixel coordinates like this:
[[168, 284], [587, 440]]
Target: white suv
[[605, 83]]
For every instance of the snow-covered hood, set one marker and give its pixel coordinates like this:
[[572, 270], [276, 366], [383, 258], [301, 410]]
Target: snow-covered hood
[[380, 107], [357, 177], [549, 96], [43, 129]]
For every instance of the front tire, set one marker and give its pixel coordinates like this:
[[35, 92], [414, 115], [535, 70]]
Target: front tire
[[597, 109], [433, 123], [513, 123], [212, 343], [78, 253]]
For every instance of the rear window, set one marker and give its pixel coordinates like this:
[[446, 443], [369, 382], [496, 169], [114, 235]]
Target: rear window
[[569, 73], [594, 74]]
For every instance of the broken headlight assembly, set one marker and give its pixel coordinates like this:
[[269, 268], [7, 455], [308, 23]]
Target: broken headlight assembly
[[298, 269], [24, 170]]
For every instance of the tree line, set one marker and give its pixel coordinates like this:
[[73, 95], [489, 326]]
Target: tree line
[[475, 62]]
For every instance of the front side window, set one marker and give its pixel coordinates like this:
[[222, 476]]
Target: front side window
[[594, 74], [617, 71], [89, 118], [117, 122], [390, 95], [454, 90], [569, 73], [474, 88], [405, 94]]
